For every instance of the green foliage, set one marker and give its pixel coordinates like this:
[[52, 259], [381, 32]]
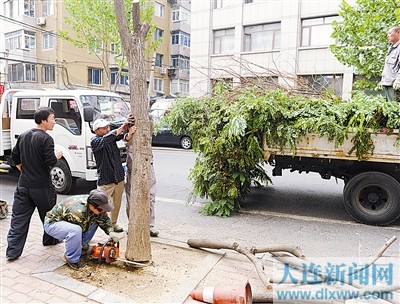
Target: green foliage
[[228, 130], [94, 27], [361, 38]]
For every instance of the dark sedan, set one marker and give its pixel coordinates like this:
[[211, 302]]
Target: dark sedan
[[164, 137]]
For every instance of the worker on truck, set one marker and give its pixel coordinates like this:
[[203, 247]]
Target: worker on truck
[[390, 81]]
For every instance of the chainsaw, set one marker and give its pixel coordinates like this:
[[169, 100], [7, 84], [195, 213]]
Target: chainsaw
[[109, 252]]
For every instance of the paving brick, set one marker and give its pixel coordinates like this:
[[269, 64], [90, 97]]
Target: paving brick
[[18, 297], [40, 296]]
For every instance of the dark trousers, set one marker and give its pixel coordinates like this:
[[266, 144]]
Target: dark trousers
[[25, 202], [391, 94]]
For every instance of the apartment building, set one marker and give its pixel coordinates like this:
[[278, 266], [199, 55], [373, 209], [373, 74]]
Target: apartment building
[[278, 40], [33, 55]]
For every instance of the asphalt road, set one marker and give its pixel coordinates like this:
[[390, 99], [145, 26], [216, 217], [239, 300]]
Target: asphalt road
[[297, 210]]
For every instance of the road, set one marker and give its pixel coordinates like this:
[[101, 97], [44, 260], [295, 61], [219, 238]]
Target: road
[[298, 210]]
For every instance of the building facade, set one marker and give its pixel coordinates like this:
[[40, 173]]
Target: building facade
[[233, 40], [34, 56]]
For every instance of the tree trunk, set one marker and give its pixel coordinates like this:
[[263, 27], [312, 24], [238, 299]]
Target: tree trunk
[[138, 244]]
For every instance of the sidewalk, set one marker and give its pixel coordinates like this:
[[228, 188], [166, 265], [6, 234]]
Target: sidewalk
[[33, 278]]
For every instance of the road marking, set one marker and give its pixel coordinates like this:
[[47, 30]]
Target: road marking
[[277, 214]]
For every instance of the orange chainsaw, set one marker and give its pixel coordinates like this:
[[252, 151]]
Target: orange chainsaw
[[109, 252]]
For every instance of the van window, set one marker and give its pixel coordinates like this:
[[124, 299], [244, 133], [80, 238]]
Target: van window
[[26, 107], [67, 114]]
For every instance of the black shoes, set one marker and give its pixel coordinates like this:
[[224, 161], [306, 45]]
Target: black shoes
[[117, 228], [154, 232], [11, 258]]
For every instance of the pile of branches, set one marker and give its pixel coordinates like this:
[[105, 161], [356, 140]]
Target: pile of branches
[[229, 126]]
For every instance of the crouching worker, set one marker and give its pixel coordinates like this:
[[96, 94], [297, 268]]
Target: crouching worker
[[76, 219]]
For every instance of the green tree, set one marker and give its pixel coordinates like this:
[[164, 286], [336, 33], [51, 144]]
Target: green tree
[[94, 27], [361, 37]]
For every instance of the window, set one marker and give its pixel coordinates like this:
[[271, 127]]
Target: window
[[16, 72], [48, 73], [30, 40], [263, 37], [182, 38], [29, 8], [13, 42], [180, 62], [20, 39], [158, 85], [115, 48], [95, 76], [181, 15], [226, 3], [159, 59], [22, 72], [158, 33], [10, 8], [26, 107], [67, 114], [317, 31], [159, 9], [47, 7], [123, 76], [30, 72], [224, 41], [179, 87], [48, 41], [326, 82]]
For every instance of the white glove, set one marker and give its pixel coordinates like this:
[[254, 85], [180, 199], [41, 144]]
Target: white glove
[[116, 236], [396, 84]]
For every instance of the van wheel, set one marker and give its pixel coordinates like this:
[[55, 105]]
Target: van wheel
[[372, 198], [61, 177], [186, 142]]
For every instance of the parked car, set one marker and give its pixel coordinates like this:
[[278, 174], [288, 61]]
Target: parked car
[[164, 137]]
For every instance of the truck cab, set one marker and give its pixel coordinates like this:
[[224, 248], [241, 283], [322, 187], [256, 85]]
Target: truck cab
[[75, 111]]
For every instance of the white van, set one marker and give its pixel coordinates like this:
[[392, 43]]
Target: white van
[[75, 111]]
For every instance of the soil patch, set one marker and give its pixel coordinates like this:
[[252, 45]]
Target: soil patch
[[151, 284]]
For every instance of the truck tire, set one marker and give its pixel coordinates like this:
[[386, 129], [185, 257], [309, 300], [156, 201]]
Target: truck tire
[[61, 177], [372, 198]]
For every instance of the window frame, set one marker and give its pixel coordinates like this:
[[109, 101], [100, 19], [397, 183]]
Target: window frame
[[314, 23], [248, 41], [48, 73], [48, 41], [159, 9], [92, 75], [219, 36]]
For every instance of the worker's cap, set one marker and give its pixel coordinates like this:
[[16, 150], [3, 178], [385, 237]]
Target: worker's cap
[[100, 123], [100, 199]]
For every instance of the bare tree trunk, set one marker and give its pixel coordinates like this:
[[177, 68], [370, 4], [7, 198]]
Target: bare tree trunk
[[138, 244]]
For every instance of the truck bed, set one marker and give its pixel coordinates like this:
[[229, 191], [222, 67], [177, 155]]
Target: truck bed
[[312, 145]]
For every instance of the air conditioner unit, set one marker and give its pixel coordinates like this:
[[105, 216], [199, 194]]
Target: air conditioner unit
[[163, 71], [41, 21]]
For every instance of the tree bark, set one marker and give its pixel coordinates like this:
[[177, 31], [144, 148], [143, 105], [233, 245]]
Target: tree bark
[[138, 242]]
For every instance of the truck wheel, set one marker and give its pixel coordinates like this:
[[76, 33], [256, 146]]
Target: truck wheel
[[372, 198], [186, 142], [61, 177]]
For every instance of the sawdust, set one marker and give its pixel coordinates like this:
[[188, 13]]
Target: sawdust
[[151, 284]]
